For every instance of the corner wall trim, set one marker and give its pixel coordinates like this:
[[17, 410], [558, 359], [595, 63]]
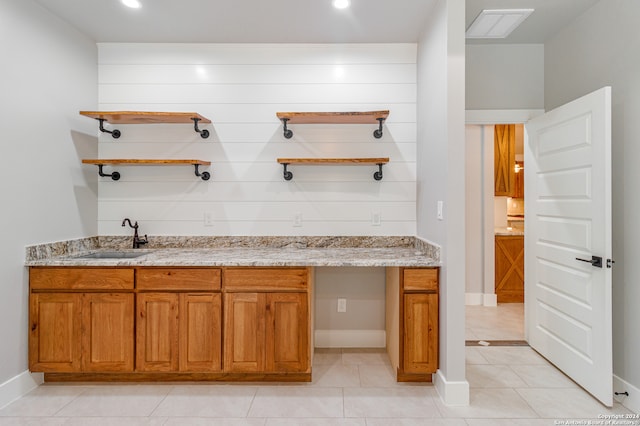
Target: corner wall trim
[[490, 299], [350, 339], [18, 386], [452, 393], [632, 402]]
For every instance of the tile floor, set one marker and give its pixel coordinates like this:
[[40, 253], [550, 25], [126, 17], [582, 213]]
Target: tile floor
[[509, 386]]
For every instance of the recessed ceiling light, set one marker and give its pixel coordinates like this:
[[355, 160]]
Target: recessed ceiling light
[[497, 23], [341, 4], [134, 4]]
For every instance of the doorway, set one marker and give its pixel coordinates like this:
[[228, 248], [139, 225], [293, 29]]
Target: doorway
[[495, 234]]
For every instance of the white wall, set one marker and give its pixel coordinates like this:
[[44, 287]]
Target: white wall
[[48, 73], [601, 48], [479, 211], [441, 150], [240, 88], [504, 76], [363, 324]]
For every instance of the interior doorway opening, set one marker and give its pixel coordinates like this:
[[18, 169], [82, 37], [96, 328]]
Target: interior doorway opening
[[494, 165]]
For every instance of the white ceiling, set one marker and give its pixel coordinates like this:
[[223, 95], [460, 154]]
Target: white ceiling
[[291, 21]]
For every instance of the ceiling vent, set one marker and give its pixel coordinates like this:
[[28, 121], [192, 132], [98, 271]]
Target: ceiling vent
[[497, 23]]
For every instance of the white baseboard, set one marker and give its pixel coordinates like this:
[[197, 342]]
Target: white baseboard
[[632, 402], [484, 299], [350, 339], [473, 299], [19, 386], [490, 299], [451, 393]]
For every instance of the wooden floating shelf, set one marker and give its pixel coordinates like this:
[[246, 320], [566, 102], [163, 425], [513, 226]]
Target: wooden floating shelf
[[363, 117], [158, 162], [319, 161], [146, 117]]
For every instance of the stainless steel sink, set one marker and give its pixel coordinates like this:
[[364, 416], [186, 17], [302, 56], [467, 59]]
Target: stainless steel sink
[[113, 255]]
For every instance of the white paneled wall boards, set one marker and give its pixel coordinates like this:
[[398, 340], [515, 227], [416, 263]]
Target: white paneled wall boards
[[243, 86]]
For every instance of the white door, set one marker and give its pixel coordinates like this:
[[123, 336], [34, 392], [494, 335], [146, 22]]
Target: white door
[[568, 217]]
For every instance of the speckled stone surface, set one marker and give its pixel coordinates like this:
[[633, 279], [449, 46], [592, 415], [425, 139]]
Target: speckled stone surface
[[254, 251], [61, 248], [514, 232], [119, 242], [393, 256]]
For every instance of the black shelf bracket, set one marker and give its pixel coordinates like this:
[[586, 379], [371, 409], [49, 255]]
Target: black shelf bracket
[[378, 175], [378, 132], [113, 175], [203, 175], [287, 174], [288, 133], [203, 133], [114, 133]]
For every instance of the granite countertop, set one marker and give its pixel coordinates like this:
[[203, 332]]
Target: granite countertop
[[509, 231], [390, 256]]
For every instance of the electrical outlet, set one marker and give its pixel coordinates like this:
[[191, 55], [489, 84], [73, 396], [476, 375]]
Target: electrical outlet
[[297, 219], [208, 218], [342, 305], [440, 208], [375, 219]]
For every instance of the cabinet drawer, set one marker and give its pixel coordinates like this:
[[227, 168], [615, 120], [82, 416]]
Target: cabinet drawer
[[80, 278], [420, 280], [265, 279], [188, 279]]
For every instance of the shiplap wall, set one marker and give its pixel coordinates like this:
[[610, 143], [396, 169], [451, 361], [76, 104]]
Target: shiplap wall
[[240, 88]]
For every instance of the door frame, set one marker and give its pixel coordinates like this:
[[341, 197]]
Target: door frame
[[489, 118]]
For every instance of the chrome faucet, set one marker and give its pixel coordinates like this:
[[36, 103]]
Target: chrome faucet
[[137, 241]]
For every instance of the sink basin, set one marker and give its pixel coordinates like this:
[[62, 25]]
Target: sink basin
[[113, 255]]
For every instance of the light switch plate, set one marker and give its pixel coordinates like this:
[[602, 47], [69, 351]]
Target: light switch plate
[[342, 305], [297, 219], [440, 208]]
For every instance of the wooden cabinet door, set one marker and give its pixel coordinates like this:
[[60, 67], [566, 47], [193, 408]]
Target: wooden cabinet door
[[200, 332], [157, 332], [420, 332], [504, 157], [509, 269], [287, 333], [55, 332], [107, 338], [244, 332]]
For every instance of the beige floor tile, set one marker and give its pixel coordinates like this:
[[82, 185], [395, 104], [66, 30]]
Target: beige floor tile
[[365, 356], [207, 401], [210, 421], [543, 376], [566, 403], [383, 376], [336, 375], [502, 322], [511, 422], [121, 401], [493, 376], [474, 356], [327, 356], [297, 401], [316, 422], [43, 401], [115, 421], [490, 403], [32, 421], [390, 402], [416, 422], [511, 355]]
